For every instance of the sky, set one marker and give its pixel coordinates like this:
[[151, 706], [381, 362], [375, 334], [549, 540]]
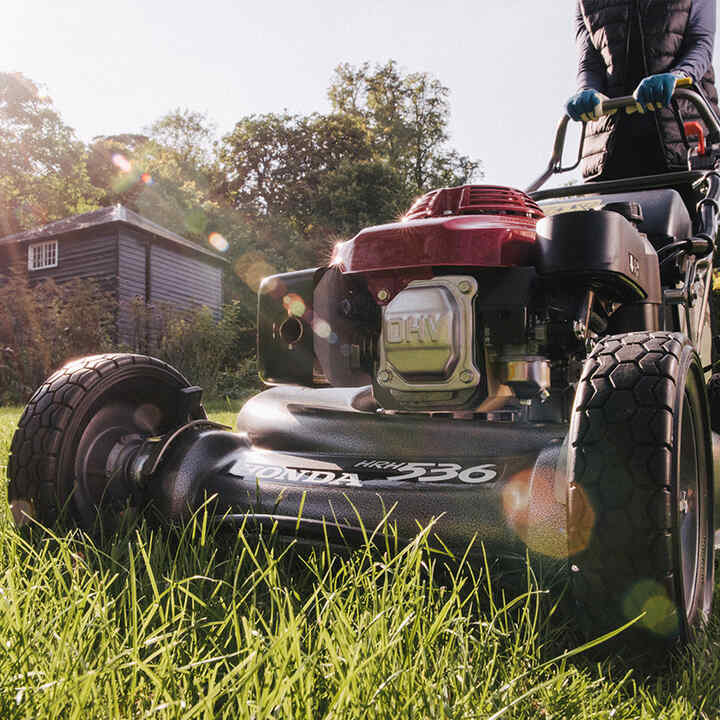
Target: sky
[[112, 68]]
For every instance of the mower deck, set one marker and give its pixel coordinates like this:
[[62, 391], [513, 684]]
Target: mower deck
[[341, 471]]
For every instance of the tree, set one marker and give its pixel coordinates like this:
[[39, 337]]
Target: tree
[[169, 174], [358, 194], [320, 172], [172, 167], [407, 117], [188, 133], [109, 168], [43, 176], [275, 163]]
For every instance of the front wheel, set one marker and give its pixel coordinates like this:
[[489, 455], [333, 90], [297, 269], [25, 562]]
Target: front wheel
[[640, 504], [74, 423]]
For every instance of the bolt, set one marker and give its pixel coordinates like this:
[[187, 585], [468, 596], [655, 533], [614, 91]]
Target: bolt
[[384, 376], [464, 286], [383, 295], [466, 376], [684, 503]]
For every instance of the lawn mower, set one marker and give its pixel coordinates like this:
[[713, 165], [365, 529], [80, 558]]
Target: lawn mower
[[528, 370]]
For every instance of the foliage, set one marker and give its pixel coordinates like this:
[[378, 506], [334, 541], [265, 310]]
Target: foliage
[[407, 117], [359, 194], [274, 162], [194, 343], [217, 355], [43, 326], [43, 176], [239, 381], [168, 175], [106, 155], [189, 134]]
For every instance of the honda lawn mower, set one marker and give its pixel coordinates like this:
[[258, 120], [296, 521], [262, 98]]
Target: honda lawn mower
[[531, 371]]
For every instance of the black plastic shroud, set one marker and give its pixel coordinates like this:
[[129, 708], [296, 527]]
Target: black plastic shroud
[[599, 248]]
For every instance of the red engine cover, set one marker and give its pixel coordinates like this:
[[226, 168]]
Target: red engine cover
[[467, 226]]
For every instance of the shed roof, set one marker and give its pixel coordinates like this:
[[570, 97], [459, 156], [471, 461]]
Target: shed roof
[[106, 216]]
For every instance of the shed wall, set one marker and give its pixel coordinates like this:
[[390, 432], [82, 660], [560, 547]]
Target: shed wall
[[131, 282], [184, 281], [79, 256]]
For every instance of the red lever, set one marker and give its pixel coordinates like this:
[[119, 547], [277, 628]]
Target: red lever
[[695, 129]]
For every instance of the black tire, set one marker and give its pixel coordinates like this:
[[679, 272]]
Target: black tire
[[58, 452], [640, 505]]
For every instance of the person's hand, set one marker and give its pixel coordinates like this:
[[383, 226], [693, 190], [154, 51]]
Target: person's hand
[[655, 92], [585, 105]]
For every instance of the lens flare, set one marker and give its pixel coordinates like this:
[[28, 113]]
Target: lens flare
[[581, 520], [273, 286], [294, 305], [515, 497], [651, 598], [252, 267], [218, 242], [147, 417], [337, 256], [321, 328], [121, 162], [532, 510]]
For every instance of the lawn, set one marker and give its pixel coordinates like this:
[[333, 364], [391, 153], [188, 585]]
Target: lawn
[[201, 623]]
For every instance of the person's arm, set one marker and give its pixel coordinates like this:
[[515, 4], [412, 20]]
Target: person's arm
[[697, 48], [591, 73], [656, 91], [587, 103]]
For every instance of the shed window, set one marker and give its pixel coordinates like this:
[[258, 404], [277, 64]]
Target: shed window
[[43, 255]]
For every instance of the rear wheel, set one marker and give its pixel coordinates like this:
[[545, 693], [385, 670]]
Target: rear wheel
[[82, 414], [640, 513]]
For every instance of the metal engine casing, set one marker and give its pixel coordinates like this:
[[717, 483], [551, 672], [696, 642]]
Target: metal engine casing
[[427, 346]]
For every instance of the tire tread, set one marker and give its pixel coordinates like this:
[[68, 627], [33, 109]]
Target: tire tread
[[620, 510], [38, 439]]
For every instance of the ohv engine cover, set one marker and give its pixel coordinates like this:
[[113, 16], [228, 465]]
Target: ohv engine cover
[[427, 346]]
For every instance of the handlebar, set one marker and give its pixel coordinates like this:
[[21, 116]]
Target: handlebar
[[630, 104]]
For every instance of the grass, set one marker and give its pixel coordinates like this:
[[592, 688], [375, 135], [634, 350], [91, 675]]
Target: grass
[[195, 622]]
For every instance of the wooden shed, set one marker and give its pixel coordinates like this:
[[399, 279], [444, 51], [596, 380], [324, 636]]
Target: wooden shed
[[129, 255]]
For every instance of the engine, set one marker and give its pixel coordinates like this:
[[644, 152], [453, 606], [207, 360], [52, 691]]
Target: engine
[[474, 302]]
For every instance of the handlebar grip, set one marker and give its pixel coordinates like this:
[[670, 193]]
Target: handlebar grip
[[679, 83]]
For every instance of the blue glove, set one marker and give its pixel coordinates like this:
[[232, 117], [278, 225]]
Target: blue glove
[[585, 105], [655, 92]]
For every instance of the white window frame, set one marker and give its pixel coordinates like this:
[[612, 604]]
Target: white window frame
[[42, 256]]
